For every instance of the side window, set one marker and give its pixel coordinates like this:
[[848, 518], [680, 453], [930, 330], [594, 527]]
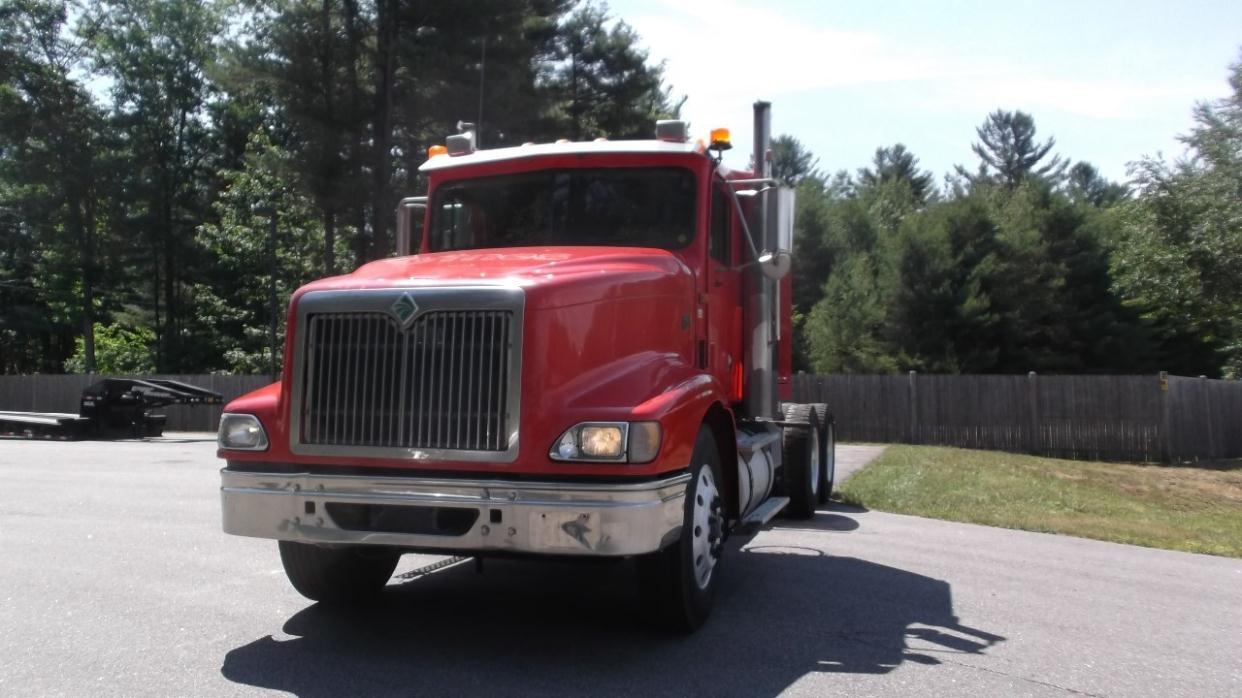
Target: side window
[[718, 243]]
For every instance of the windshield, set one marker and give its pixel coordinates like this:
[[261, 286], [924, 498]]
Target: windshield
[[634, 207]]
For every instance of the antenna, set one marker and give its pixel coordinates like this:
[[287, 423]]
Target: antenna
[[478, 133]]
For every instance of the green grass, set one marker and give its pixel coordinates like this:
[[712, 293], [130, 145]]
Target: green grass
[[1194, 509]]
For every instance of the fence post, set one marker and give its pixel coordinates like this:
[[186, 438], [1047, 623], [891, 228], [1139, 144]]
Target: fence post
[[914, 407], [1206, 418], [1166, 438], [211, 383], [1033, 434]]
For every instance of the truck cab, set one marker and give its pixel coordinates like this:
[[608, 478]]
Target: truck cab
[[580, 352]]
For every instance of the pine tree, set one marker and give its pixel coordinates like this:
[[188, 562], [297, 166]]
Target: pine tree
[[601, 83], [1008, 151], [50, 138], [792, 162], [897, 164], [156, 56]]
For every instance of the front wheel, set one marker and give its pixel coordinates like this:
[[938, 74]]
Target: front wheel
[[679, 583], [337, 575]]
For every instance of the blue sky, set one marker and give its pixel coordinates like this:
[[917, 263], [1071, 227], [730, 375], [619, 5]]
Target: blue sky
[[1111, 81]]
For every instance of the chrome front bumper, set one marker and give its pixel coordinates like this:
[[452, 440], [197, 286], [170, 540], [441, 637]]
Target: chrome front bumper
[[550, 518]]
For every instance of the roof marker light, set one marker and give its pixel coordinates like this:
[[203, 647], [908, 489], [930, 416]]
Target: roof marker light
[[672, 131], [460, 144], [436, 150]]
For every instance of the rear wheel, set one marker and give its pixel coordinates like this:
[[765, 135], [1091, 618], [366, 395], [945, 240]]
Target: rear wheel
[[337, 575], [827, 460], [827, 448], [801, 463], [679, 582]]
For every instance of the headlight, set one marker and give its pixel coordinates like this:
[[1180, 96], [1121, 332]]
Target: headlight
[[241, 432], [599, 441], [609, 442]]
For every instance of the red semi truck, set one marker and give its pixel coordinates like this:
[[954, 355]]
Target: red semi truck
[[584, 351]]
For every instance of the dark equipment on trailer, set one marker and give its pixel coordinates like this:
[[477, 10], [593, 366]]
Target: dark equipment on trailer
[[113, 408]]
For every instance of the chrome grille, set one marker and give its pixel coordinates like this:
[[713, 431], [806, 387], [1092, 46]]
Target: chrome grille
[[441, 383]]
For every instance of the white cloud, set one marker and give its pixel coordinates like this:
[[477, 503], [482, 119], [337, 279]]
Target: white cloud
[[1095, 100], [716, 47], [723, 54]]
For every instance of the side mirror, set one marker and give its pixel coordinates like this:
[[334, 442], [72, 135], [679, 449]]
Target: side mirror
[[776, 258], [406, 222], [775, 265]]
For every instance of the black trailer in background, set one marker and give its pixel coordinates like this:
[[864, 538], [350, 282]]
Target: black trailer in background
[[113, 408]]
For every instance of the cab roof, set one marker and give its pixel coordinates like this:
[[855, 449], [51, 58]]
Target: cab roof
[[534, 150]]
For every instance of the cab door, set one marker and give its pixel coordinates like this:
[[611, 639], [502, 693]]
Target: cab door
[[724, 293]]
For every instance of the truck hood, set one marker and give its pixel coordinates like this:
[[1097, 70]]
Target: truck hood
[[551, 276]]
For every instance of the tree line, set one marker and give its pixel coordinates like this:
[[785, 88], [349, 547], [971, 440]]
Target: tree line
[[149, 148], [1027, 262], [164, 165]]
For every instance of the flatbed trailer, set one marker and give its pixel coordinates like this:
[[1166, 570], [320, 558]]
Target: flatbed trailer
[[109, 409]]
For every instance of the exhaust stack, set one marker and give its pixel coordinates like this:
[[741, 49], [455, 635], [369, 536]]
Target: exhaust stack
[[762, 401]]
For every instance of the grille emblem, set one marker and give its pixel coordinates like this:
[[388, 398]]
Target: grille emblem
[[404, 310]]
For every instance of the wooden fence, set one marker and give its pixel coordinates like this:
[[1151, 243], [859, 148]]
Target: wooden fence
[[1155, 418], [1126, 418], [62, 393]]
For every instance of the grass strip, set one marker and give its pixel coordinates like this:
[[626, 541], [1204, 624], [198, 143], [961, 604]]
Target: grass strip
[[1193, 509]]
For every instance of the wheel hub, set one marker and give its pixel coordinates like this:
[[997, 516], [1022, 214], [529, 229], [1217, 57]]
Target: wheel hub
[[707, 531]]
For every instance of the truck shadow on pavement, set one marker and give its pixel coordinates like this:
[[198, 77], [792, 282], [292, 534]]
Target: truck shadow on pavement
[[539, 628]]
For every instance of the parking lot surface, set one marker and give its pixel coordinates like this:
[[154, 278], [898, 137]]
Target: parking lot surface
[[116, 580]]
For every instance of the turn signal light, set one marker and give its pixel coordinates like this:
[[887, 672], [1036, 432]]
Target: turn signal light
[[436, 150]]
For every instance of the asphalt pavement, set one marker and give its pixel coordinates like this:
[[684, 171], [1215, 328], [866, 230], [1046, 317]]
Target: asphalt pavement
[[116, 580]]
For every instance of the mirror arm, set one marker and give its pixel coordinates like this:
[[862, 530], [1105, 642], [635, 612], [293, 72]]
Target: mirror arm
[[750, 240], [762, 180]]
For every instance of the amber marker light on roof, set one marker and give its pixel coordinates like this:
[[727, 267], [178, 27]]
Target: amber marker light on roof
[[721, 139], [437, 150]]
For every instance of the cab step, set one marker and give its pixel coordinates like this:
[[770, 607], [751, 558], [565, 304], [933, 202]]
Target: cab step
[[764, 513]]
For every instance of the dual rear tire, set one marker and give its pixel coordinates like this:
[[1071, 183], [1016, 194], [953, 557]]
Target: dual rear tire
[[809, 459]]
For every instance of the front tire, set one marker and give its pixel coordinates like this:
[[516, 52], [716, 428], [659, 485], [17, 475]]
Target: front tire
[[337, 575], [679, 582]]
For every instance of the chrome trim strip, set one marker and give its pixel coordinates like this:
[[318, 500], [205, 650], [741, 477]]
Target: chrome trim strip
[[554, 518], [458, 299]]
